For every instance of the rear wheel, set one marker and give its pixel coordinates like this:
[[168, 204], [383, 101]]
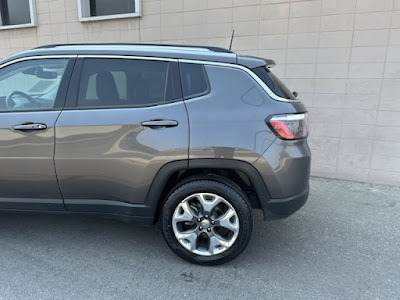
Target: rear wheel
[[207, 222]]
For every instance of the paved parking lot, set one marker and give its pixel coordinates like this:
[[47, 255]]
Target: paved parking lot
[[344, 244]]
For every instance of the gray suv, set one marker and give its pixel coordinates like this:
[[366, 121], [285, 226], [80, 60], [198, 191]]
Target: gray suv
[[192, 137]]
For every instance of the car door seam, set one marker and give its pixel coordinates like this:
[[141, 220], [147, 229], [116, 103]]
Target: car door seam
[[55, 131]]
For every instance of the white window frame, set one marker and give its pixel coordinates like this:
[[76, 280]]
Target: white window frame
[[84, 12], [33, 23]]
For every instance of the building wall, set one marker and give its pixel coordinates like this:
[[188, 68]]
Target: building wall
[[342, 56]]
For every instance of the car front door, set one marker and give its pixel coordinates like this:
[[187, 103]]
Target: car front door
[[124, 120], [32, 93]]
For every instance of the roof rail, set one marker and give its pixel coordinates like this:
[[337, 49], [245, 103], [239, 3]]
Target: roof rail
[[214, 49]]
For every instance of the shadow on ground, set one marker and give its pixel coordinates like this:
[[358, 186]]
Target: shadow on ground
[[342, 245]]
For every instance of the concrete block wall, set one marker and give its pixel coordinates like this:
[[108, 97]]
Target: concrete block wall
[[342, 56]]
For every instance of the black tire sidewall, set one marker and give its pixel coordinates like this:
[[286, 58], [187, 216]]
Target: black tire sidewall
[[237, 201]]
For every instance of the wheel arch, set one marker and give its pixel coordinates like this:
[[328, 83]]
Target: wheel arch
[[238, 172]]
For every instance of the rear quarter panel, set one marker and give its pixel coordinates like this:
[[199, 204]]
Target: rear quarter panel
[[229, 122]]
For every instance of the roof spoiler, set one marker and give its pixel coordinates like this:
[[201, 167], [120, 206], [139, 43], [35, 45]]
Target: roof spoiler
[[255, 62], [270, 63]]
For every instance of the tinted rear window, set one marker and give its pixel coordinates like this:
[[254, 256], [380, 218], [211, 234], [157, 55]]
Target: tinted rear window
[[120, 82], [274, 83], [194, 80]]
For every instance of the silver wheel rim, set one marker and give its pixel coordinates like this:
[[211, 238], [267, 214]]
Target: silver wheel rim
[[205, 224]]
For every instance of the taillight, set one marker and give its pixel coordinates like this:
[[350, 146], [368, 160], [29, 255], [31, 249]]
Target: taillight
[[289, 127]]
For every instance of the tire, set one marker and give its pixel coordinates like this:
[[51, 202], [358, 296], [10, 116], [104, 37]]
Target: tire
[[221, 236]]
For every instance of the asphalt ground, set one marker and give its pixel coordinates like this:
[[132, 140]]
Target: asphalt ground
[[344, 244]]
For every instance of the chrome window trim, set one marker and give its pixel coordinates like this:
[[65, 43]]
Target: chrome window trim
[[35, 58], [118, 56], [203, 62], [247, 70], [86, 56]]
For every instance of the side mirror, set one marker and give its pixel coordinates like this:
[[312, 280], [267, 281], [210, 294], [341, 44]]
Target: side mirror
[[295, 94]]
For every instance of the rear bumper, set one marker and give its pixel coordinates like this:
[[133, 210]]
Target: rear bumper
[[282, 208], [285, 169]]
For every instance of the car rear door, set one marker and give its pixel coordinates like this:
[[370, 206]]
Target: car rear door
[[32, 94], [124, 120]]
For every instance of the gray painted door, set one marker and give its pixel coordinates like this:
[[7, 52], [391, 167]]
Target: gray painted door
[[27, 174], [29, 101], [105, 158], [125, 124]]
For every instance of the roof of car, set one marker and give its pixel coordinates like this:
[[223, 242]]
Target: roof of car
[[204, 53]]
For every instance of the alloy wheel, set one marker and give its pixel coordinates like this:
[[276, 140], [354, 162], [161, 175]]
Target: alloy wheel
[[205, 224]]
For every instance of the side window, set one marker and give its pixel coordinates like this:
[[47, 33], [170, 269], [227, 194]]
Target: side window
[[120, 81], [31, 85], [127, 82], [274, 83], [194, 80]]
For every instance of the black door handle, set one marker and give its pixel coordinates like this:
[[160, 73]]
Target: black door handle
[[30, 126], [160, 123]]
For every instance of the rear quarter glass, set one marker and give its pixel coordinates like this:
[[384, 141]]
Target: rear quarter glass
[[274, 83], [292, 106]]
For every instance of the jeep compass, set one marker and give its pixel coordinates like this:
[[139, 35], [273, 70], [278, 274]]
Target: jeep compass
[[190, 137]]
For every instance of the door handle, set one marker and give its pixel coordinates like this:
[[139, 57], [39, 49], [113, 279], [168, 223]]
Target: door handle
[[160, 123], [30, 126]]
